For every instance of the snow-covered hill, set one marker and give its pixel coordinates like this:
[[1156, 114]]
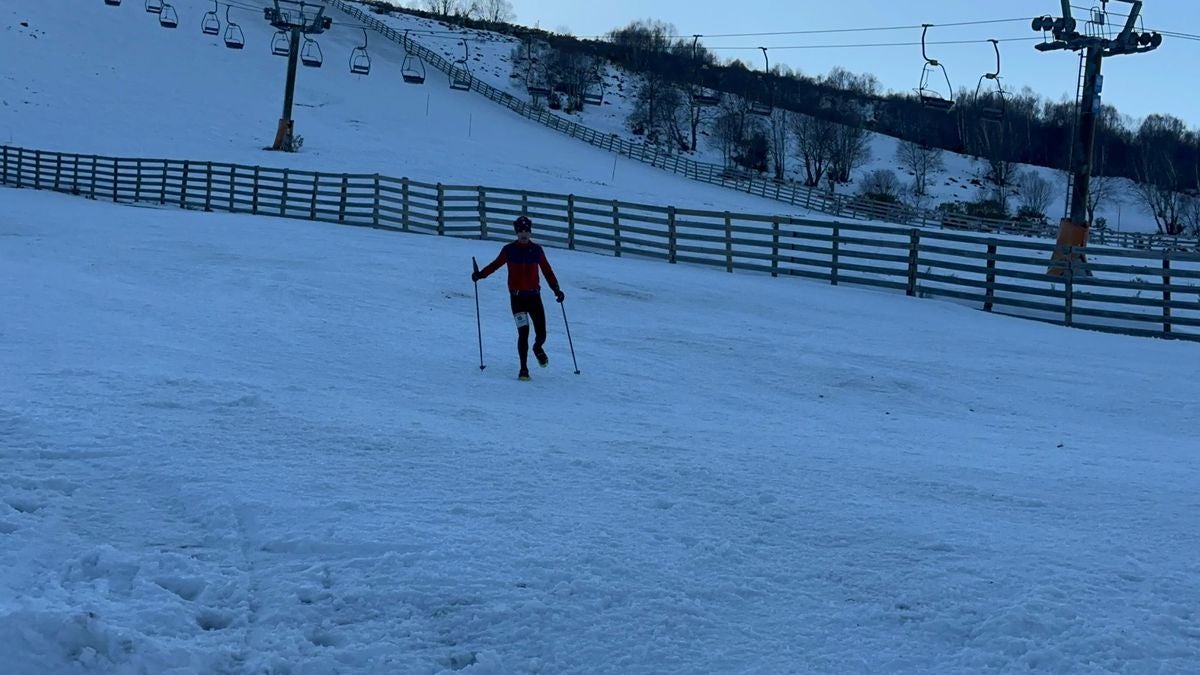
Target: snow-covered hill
[[491, 62], [88, 77]]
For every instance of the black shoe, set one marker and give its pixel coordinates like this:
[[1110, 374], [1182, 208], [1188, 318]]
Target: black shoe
[[524, 374], [540, 355]]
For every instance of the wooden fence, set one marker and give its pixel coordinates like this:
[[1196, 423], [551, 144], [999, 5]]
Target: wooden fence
[[788, 192], [1137, 292]]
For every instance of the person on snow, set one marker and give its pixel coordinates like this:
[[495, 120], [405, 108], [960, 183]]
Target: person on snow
[[524, 258]]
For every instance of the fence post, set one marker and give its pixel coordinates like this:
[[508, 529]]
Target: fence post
[[375, 204], [571, 222], [58, 172], [833, 268], [92, 189], [616, 229], [990, 291], [342, 203], [162, 185], [913, 245], [183, 189], [5, 165], [728, 243], [116, 174], [232, 187], [20, 167], [1069, 309], [482, 193], [37, 170], [672, 237], [254, 192], [312, 202], [775, 248], [137, 181], [1166, 276], [283, 201], [208, 186], [441, 207], [404, 203]]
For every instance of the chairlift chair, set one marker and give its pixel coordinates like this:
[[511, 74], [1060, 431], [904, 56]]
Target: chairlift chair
[[535, 81], [210, 24], [114, 3], [360, 60], [593, 89], [154, 6], [310, 53], [460, 72], [281, 44], [412, 69], [757, 107], [929, 97], [167, 18], [234, 38], [702, 95], [992, 103]]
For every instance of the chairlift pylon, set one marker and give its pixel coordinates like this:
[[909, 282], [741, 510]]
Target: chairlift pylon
[[930, 98], [460, 71], [360, 60], [234, 38], [310, 53], [412, 69], [993, 104], [757, 107], [167, 18], [210, 24], [281, 44], [154, 6]]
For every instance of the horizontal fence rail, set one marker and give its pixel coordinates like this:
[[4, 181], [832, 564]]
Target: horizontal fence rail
[[791, 193], [1130, 291]]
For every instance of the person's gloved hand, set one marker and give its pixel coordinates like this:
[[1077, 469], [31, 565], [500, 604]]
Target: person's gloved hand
[[559, 295], [475, 276]]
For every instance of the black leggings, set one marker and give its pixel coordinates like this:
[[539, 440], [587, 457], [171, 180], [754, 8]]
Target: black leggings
[[531, 304]]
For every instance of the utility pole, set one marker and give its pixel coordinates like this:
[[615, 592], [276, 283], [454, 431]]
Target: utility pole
[[297, 20], [1095, 44]]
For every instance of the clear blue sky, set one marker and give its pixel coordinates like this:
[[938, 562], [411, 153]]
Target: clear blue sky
[[1162, 81]]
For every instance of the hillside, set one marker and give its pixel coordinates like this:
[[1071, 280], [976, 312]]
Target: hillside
[[958, 181], [87, 77]]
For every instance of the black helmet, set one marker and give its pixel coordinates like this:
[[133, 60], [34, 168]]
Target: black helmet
[[523, 224]]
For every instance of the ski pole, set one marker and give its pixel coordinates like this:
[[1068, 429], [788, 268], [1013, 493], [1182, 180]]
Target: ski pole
[[572, 344], [478, 323]]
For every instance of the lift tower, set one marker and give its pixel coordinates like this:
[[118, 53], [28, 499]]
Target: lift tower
[[1094, 44], [296, 19]]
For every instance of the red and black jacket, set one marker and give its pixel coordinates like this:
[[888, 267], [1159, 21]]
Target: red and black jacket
[[524, 259]]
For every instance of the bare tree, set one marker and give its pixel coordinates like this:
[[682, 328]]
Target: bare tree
[[574, 73], [1191, 215], [443, 7], [1167, 205], [815, 139], [656, 110], [850, 150], [1101, 190], [1036, 195], [495, 11], [921, 160], [778, 137]]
